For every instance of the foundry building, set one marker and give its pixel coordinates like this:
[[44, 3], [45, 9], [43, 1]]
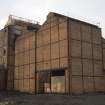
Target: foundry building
[[63, 55]]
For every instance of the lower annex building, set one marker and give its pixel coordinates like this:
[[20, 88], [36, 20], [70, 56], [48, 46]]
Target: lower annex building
[[64, 55]]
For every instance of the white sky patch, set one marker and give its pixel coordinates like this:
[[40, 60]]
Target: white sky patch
[[89, 10], [3, 22]]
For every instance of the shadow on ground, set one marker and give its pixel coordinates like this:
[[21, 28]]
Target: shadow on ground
[[13, 98]]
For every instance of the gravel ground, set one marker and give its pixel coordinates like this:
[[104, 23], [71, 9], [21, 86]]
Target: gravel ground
[[13, 98]]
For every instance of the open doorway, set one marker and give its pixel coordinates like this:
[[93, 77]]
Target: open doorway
[[58, 81], [52, 81]]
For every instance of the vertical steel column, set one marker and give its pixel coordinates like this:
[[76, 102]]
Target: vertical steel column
[[92, 57], [58, 39], [35, 62], [50, 52], [29, 63], [82, 58], [69, 58]]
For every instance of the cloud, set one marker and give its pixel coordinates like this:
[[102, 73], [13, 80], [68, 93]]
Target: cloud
[[3, 22], [38, 9]]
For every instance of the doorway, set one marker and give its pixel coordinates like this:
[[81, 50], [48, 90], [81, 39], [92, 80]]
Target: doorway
[[52, 81], [58, 81]]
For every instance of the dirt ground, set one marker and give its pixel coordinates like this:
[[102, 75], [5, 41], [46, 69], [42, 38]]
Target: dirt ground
[[13, 98]]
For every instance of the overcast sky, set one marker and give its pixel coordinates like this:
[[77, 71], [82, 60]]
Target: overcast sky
[[87, 10]]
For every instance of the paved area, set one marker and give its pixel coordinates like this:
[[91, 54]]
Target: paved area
[[12, 98]]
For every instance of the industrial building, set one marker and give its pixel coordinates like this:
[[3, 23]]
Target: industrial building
[[63, 55]]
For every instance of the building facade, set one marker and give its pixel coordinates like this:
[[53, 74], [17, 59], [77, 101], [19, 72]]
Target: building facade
[[64, 55]]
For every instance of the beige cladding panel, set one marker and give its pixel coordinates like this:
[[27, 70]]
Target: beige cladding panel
[[63, 30], [46, 37], [16, 73], [97, 52], [26, 71], [26, 85], [16, 47], [46, 52], [16, 60], [32, 85], [62, 19], [86, 33], [40, 66], [75, 48], [26, 57], [32, 71], [87, 50], [32, 41], [87, 67], [1, 60], [54, 33], [96, 33], [76, 66], [55, 63], [54, 21], [46, 65], [32, 56], [98, 69], [88, 84], [21, 72], [3, 37], [21, 59], [77, 87], [75, 31], [22, 45], [54, 50], [99, 84], [27, 44], [39, 38], [63, 62], [63, 48], [39, 53], [4, 59]]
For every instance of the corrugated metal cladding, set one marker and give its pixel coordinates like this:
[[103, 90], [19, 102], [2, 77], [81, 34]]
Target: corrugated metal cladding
[[64, 55]]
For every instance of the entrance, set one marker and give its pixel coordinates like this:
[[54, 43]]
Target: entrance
[[51, 81], [58, 81]]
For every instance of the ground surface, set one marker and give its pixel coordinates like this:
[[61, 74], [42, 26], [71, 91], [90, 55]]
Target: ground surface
[[12, 98]]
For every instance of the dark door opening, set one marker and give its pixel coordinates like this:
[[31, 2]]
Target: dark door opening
[[58, 81], [51, 81]]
